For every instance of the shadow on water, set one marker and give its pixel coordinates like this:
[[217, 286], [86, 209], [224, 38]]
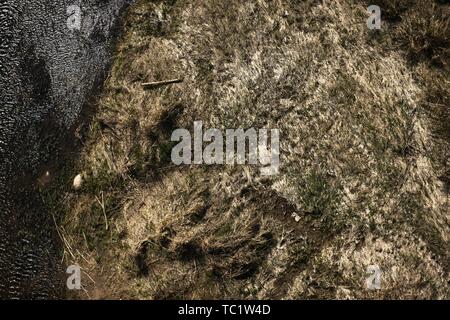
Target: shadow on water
[[48, 76]]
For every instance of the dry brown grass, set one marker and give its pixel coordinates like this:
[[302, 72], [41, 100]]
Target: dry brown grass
[[357, 185], [421, 30]]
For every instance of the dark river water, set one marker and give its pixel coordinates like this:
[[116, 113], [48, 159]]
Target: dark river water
[[54, 55]]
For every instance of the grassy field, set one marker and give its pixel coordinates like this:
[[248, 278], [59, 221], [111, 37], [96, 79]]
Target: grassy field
[[365, 133]]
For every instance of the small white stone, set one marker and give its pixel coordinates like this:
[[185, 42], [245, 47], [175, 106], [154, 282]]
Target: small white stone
[[296, 217], [78, 182]]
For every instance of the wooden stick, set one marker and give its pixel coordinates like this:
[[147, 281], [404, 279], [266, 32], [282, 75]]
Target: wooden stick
[[152, 85]]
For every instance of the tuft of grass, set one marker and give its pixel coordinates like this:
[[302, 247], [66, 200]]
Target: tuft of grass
[[318, 195], [393, 10], [425, 33]]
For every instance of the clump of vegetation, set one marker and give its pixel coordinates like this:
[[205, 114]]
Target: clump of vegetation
[[425, 33], [317, 194], [393, 10]]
